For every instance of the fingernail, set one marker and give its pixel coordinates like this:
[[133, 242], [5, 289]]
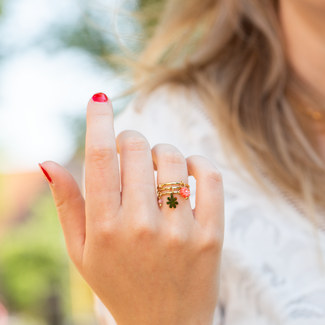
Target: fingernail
[[46, 174], [100, 97]]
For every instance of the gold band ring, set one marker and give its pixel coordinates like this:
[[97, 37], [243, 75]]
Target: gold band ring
[[183, 189]]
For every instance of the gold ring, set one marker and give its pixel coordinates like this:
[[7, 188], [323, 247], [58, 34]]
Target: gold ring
[[182, 188]]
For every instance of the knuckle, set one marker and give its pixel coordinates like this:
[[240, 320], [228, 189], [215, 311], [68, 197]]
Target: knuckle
[[61, 203], [176, 238], [173, 157], [135, 143], [211, 242], [105, 234], [100, 153], [213, 175], [60, 206], [143, 231]]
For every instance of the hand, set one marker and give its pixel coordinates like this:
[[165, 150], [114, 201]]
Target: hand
[[148, 264]]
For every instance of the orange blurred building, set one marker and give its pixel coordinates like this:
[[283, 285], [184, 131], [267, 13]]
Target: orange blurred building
[[18, 193]]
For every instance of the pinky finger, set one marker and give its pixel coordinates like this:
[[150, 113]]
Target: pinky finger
[[209, 200]]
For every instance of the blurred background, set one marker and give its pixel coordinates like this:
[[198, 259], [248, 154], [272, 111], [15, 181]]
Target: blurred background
[[53, 58]]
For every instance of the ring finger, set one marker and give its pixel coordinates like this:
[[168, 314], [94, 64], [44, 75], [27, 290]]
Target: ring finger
[[171, 167]]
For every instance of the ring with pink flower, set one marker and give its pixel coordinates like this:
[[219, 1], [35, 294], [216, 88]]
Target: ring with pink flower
[[170, 189]]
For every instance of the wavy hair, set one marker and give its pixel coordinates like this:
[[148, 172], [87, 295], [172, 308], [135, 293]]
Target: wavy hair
[[232, 53]]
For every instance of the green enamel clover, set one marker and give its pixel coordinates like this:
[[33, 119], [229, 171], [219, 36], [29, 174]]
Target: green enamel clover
[[172, 201]]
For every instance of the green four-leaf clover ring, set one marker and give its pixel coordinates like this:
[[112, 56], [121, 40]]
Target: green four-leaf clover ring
[[172, 201], [170, 189]]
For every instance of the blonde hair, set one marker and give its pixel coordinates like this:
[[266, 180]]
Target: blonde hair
[[232, 54]]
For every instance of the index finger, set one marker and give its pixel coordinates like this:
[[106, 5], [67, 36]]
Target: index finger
[[102, 172]]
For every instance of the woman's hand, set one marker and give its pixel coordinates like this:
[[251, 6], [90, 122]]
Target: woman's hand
[[148, 265]]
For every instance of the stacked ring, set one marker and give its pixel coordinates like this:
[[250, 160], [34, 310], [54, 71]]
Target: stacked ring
[[182, 188]]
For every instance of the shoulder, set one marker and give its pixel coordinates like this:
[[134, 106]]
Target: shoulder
[[169, 115], [160, 102]]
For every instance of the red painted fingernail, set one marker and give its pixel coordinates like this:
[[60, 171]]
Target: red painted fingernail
[[46, 174], [100, 97]]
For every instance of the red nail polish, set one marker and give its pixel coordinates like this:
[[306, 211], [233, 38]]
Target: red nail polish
[[100, 97], [46, 174]]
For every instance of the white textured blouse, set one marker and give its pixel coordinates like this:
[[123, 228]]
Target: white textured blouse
[[273, 263]]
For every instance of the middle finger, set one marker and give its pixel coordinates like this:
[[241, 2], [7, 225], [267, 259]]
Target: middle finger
[[137, 173]]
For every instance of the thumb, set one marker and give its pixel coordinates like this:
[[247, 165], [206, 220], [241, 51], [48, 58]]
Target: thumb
[[70, 206]]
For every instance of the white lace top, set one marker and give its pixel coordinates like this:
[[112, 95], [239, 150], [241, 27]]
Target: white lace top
[[273, 267]]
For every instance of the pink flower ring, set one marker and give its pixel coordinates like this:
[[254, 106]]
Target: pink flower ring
[[185, 192]]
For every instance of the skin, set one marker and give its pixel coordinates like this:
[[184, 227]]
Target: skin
[[147, 264], [303, 25], [160, 265]]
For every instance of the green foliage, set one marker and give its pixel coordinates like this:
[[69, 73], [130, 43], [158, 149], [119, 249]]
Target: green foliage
[[92, 35], [146, 3], [33, 261], [150, 11], [89, 34], [88, 38]]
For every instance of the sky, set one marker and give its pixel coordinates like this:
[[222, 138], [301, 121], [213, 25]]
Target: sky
[[38, 88]]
